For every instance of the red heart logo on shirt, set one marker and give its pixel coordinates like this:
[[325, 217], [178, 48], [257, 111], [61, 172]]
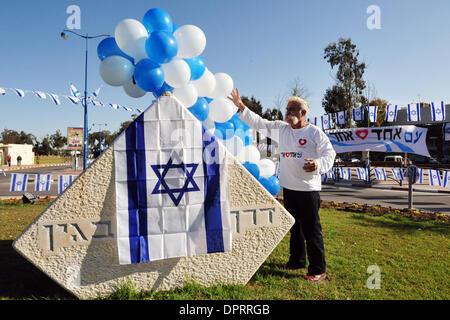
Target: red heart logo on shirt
[[362, 133], [302, 142]]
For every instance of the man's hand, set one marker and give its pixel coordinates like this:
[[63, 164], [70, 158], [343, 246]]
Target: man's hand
[[236, 99], [310, 165]]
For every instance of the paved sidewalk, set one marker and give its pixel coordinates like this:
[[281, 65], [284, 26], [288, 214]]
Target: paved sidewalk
[[5, 168]]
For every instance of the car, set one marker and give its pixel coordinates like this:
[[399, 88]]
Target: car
[[337, 159], [393, 158], [354, 160]]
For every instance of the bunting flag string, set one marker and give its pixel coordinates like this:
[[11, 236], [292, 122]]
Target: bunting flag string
[[74, 98]]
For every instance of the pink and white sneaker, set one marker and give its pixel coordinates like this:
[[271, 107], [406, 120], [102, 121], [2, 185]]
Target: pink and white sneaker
[[315, 278]]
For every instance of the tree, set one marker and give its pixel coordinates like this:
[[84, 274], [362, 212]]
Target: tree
[[347, 92], [298, 89], [253, 104], [44, 147], [57, 141]]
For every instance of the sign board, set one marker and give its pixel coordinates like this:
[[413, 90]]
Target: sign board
[[75, 138]]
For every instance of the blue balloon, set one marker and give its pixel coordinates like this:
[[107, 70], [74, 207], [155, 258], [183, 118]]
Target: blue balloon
[[161, 46], [224, 130], [175, 27], [275, 185], [197, 66], [149, 75], [238, 123], [208, 99], [200, 109], [108, 47], [245, 136], [157, 19], [252, 168], [165, 87], [269, 185]]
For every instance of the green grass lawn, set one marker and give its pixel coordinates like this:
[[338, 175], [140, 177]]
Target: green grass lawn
[[52, 160], [413, 257]]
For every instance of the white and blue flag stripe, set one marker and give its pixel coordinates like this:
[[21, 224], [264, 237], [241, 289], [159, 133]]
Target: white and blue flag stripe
[[358, 113], [414, 112], [172, 197], [380, 173], [391, 113], [446, 179], [438, 111], [64, 182], [43, 182], [434, 177], [373, 113], [19, 182], [74, 91]]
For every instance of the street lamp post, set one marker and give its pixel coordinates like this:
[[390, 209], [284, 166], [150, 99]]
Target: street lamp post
[[85, 131]]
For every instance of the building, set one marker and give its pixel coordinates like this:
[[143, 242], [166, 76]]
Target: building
[[25, 151]]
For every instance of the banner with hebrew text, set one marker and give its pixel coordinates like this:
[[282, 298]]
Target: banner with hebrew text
[[409, 139]]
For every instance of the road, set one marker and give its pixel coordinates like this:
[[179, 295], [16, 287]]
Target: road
[[394, 198]]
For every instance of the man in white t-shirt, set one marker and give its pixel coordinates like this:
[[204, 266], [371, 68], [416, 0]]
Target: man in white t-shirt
[[305, 154]]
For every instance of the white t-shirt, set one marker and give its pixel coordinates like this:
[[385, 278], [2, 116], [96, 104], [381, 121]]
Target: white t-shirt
[[294, 146]]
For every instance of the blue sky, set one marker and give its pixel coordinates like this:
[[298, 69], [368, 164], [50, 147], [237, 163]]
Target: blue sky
[[262, 44]]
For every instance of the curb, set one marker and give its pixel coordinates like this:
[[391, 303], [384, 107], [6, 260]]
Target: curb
[[36, 166], [358, 185]]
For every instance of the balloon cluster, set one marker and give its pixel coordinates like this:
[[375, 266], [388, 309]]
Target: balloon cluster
[[156, 56]]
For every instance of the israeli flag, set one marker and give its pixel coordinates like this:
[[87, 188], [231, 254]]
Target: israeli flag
[[127, 108], [172, 193], [139, 110], [74, 91], [391, 113], [43, 182], [331, 174], [414, 112], [64, 182], [398, 174], [341, 117], [346, 173], [114, 106], [434, 178], [2, 91], [362, 173], [19, 182], [55, 99], [446, 179], [73, 99], [40, 95], [358, 113], [96, 92], [325, 177], [419, 176], [373, 113], [20, 93], [326, 121], [380, 173], [438, 111]]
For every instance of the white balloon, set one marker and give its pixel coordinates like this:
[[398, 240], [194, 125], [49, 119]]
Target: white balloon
[[187, 95], [234, 145], [266, 168], [250, 154], [133, 90], [191, 41], [221, 110], [224, 86], [176, 73], [131, 36], [116, 70], [206, 84]]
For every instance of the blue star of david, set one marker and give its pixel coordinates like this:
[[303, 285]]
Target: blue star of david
[[413, 112], [438, 111], [391, 113], [161, 186]]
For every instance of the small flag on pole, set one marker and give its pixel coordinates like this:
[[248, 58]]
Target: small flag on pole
[[64, 182], [2, 91], [326, 121], [434, 177], [391, 113], [40, 94], [18, 182], [346, 173], [43, 182], [19, 93], [74, 100], [438, 111]]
